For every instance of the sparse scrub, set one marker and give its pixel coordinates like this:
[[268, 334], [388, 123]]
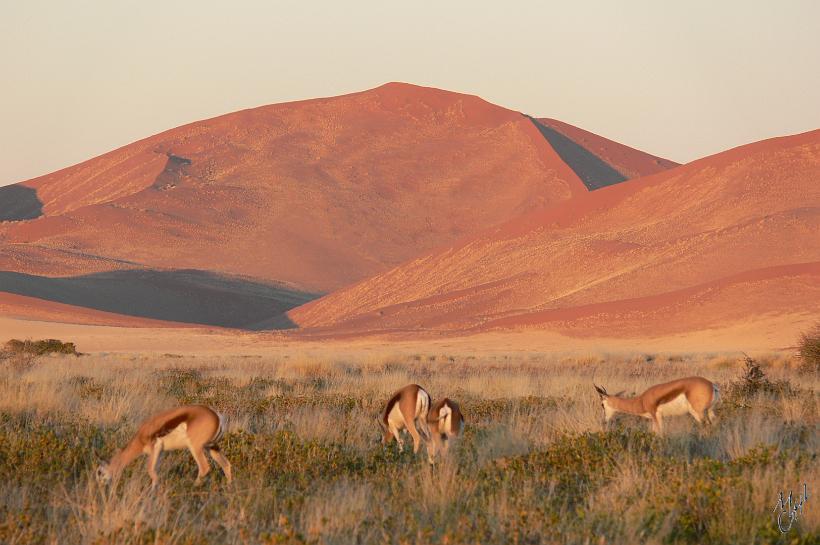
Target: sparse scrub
[[38, 348], [753, 382], [534, 464], [809, 350]]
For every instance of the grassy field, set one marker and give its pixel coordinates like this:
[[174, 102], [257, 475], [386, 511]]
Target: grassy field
[[535, 464]]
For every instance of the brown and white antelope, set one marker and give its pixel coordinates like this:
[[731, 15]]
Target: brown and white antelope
[[694, 395], [408, 408], [194, 427], [445, 422]]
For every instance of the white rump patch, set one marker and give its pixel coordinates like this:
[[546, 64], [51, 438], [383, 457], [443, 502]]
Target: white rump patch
[[422, 404], [220, 431]]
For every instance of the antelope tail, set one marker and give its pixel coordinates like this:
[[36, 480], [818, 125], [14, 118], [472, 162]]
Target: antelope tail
[[220, 430], [423, 411], [715, 395]]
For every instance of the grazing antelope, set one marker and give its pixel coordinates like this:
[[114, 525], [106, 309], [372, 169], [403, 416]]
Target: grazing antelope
[[195, 427], [694, 395], [408, 408], [445, 422]]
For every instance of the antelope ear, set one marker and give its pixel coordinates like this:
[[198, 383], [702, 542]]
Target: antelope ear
[[601, 391]]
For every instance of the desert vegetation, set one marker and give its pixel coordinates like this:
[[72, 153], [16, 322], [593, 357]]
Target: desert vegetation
[[809, 349], [38, 348], [535, 464]]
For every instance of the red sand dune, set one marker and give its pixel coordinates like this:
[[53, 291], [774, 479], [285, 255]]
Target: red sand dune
[[738, 230], [452, 214], [317, 194], [796, 288], [306, 196]]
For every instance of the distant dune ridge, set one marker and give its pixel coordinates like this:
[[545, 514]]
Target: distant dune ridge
[[723, 240], [418, 210]]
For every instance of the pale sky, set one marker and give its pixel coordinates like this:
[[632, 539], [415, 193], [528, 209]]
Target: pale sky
[[677, 79]]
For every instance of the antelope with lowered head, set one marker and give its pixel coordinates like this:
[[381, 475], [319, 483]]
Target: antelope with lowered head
[[694, 395], [195, 427], [445, 422], [408, 408]]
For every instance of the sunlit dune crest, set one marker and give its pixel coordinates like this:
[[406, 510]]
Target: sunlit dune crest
[[417, 211]]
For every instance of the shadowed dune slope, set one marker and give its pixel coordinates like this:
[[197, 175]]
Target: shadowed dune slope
[[593, 171], [628, 162], [632, 247], [18, 202], [193, 297], [317, 194]]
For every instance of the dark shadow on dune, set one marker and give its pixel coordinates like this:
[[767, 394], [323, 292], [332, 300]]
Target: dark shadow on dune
[[172, 174], [18, 203], [594, 172], [190, 296]]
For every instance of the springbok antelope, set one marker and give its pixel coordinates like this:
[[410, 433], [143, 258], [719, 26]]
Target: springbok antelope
[[445, 422], [195, 427], [408, 408], [694, 395]]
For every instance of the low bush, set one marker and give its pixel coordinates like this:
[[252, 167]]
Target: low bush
[[753, 381], [38, 348], [809, 349]]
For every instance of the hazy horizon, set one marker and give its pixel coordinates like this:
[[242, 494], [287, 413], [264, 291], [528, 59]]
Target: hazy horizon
[[681, 82]]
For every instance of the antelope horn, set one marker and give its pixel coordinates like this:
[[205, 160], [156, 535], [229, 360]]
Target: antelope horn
[[600, 389]]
